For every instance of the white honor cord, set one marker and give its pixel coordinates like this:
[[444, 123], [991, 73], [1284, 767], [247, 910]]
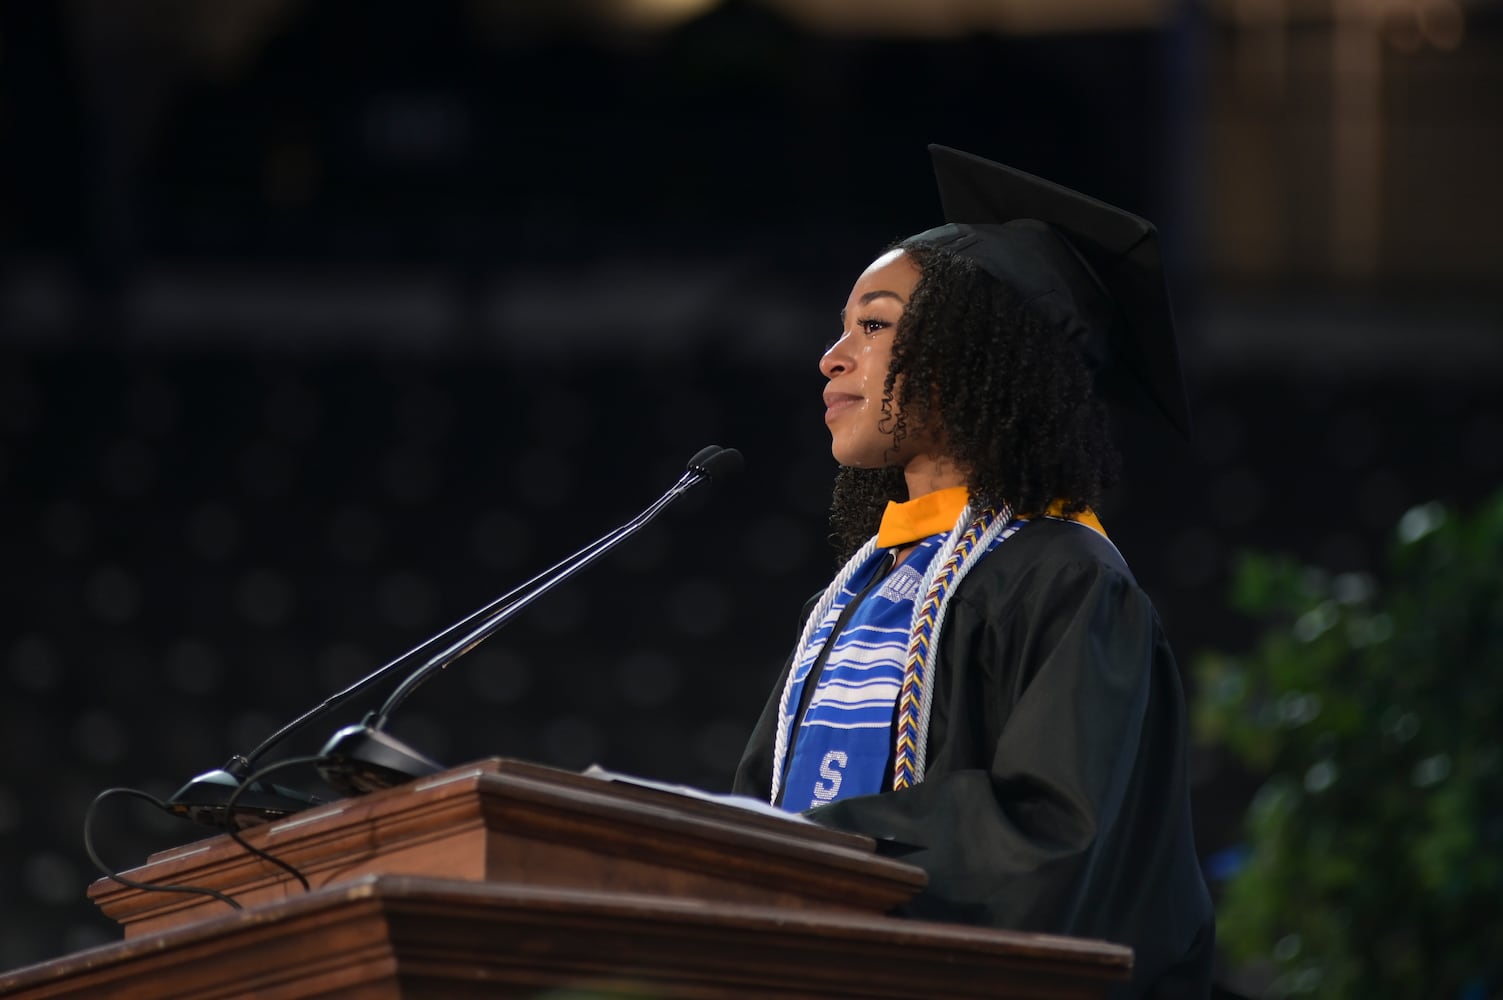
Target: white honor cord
[[801, 652]]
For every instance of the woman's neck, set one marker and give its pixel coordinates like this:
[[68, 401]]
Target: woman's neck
[[927, 473]]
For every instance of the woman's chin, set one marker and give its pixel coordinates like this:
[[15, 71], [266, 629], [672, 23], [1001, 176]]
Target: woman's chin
[[844, 456]]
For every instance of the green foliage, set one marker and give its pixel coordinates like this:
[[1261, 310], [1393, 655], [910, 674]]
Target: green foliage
[[1375, 845]]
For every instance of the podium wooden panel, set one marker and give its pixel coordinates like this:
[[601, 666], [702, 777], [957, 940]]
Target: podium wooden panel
[[504, 879], [386, 936]]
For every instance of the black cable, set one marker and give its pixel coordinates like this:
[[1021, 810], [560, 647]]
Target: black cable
[[132, 883], [234, 829]]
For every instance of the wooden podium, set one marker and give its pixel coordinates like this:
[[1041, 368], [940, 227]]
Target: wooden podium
[[506, 879]]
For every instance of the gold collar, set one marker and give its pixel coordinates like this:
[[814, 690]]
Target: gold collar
[[932, 513]]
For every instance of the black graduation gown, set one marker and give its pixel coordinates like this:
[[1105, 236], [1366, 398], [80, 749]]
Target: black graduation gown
[[1055, 797]]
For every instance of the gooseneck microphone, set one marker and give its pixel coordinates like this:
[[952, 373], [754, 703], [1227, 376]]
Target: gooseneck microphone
[[357, 762], [364, 758]]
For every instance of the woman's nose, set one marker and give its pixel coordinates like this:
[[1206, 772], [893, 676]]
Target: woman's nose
[[836, 359]]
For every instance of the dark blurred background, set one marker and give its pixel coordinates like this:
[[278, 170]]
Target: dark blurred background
[[322, 323]]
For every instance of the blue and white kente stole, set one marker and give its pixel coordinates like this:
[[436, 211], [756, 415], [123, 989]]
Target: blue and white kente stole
[[845, 740]]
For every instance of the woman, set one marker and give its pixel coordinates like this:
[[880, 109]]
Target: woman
[[984, 688]]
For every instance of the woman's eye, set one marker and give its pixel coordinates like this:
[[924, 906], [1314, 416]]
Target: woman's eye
[[872, 325]]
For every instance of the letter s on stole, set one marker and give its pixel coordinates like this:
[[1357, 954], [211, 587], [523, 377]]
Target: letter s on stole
[[832, 770]]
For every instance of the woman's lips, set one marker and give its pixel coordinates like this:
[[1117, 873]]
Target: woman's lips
[[837, 403]]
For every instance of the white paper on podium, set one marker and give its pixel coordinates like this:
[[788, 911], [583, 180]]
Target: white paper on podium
[[738, 801]]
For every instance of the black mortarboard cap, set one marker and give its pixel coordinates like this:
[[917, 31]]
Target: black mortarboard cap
[[1092, 270]]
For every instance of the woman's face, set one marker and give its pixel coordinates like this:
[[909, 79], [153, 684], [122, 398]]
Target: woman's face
[[856, 365]]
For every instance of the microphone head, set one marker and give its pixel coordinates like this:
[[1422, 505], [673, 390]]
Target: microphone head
[[709, 451], [715, 462]]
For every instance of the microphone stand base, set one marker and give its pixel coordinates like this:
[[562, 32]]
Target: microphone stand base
[[360, 759], [205, 800]]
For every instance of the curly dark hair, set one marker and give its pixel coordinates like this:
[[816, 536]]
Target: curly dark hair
[[1011, 398]]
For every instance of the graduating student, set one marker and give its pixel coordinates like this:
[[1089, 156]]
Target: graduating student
[[983, 687]]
